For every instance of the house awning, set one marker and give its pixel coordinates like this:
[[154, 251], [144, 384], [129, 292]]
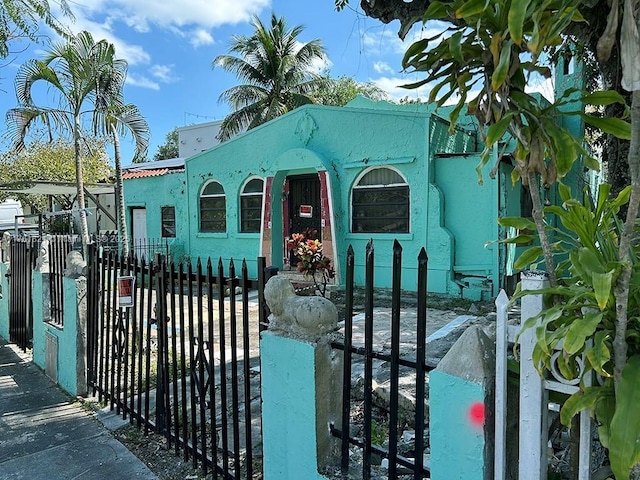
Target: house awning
[[56, 188]]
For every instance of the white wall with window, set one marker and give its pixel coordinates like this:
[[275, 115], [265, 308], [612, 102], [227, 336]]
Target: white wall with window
[[380, 202]]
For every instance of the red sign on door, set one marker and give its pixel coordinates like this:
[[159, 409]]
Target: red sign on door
[[306, 211]]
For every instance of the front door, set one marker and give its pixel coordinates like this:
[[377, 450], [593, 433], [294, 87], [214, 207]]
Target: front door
[[304, 206], [139, 231]]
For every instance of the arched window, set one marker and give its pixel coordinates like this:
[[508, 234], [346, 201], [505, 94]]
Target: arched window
[[213, 208], [251, 206], [380, 202]]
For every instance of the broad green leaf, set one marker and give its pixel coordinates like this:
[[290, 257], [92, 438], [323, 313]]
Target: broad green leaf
[[567, 366], [502, 69], [436, 10], [605, 408], [624, 447], [603, 97], [516, 18], [590, 262], [599, 354], [471, 8], [454, 46], [528, 257], [519, 240], [579, 401], [602, 287], [520, 223], [564, 191], [614, 126], [415, 48], [580, 329], [496, 131]]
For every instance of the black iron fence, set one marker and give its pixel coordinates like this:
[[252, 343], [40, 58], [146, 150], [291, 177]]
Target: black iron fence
[[59, 247], [412, 460], [181, 359], [23, 254]]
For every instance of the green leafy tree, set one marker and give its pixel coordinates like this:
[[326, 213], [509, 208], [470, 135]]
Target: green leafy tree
[[169, 149], [54, 161], [86, 77], [277, 74], [340, 91], [496, 49], [120, 119], [21, 18]]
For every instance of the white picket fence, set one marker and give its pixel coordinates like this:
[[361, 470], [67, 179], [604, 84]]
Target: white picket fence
[[534, 393]]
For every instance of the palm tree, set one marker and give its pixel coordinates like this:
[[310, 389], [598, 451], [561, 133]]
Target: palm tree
[[86, 77], [276, 69], [118, 119]]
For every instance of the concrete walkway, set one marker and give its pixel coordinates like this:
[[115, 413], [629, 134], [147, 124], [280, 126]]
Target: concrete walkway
[[45, 436]]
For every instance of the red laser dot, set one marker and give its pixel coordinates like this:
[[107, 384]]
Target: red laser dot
[[476, 414]]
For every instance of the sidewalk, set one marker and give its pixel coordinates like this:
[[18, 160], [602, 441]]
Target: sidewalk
[[44, 436]]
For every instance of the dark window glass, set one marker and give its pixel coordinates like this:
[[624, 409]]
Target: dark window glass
[[251, 206], [168, 221], [380, 203], [213, 209]]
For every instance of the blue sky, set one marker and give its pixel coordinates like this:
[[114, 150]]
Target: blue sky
[[170, 45]]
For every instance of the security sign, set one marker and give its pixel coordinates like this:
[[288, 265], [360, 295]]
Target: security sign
[[306, 211], [125, 290]]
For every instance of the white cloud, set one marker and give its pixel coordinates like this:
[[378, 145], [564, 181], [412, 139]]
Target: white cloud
[[392, 85], [543, 86], [382, 67], [200, 37], [164, 73], [142, 82]]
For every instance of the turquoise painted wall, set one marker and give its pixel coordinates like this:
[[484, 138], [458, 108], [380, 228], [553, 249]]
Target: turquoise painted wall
[[153, 193], [288, 409], [457, 443], [66, 335]]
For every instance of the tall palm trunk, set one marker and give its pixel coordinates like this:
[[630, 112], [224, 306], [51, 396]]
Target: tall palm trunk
[[84, 229], [122, 224]]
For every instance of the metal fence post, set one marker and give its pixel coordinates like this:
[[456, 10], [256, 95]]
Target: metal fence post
[[162, 409]]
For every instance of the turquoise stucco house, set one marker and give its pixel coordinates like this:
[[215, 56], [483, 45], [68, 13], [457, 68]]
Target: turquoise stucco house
[[369, 170]]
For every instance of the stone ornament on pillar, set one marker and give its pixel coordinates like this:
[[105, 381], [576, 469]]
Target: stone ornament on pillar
[[76, 265], [295, 316]]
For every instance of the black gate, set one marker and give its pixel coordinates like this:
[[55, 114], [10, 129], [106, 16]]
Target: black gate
[[180, 360], [24, 251]]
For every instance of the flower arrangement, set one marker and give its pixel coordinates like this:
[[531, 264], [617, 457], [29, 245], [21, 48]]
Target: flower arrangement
[[311, 261]]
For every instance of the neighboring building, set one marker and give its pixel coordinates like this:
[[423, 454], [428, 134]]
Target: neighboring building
[[369, 170], [194, 139]]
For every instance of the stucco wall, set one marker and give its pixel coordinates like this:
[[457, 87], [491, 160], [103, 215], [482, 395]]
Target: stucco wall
[[153, 193]]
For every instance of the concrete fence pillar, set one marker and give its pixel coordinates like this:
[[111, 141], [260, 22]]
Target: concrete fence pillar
[[301, 385], [60, 350], [461, 410]]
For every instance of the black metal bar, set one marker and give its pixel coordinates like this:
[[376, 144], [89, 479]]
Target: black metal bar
[[348, 341], [192, 367], [212, 368], [118, 327], [368, 360], [234, 367], [183, 362], [127, 325], [202, 362], [104, 322], [148, 319], [133, 269], [421, 349], [247, 370], [174, 357], [223, 367], [162, 413], [142, 319], [395, 355], [111, 315], [385, 357], [263, 309]]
